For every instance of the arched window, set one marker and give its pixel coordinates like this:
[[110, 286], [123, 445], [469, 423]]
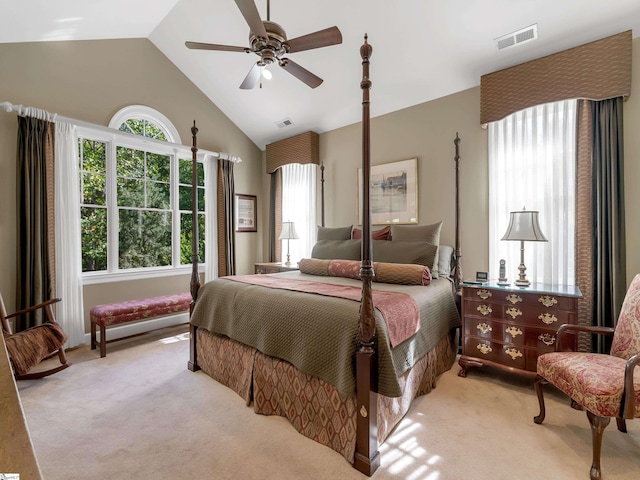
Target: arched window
[[145, 121], [135, 195]]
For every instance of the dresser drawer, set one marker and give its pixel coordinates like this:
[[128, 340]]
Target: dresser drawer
[[544, 301], [534, 315], [505, 354]]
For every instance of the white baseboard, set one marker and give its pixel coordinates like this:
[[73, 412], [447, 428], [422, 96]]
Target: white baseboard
[[140, 327]]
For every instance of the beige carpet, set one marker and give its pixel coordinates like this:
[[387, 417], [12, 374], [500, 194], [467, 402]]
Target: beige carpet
[[140, 414]]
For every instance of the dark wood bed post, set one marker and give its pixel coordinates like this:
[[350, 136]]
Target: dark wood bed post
[[195, 276], [367, 456], [457, 272]]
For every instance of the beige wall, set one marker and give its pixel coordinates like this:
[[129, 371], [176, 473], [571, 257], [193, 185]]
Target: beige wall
[[90, 81], [426, 131]]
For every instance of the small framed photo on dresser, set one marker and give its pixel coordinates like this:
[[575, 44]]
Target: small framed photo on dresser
[[246, 213]]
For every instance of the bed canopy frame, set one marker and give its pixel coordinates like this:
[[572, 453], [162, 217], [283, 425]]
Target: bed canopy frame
[[367, 456]]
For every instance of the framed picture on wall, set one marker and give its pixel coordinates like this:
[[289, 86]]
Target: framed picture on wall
[[394, 193], [246, 213]]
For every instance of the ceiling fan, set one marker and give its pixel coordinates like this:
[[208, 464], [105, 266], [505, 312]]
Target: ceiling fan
[[269, 41]]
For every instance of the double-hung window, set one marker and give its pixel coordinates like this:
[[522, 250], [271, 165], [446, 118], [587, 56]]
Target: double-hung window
[[135, 194], [532, 164]]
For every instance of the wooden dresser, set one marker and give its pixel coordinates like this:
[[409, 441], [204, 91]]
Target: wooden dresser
[[508, 327], [274, 267]]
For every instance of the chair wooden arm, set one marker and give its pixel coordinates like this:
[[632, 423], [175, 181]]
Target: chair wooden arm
[[35, 307], [568, 327], [629, 394]]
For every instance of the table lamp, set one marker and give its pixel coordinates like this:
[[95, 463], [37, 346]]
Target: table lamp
[[524, 227], [287, 233]]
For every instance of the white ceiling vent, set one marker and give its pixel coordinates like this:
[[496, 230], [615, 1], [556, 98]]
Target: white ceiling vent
[[517, 38], [284, 123]]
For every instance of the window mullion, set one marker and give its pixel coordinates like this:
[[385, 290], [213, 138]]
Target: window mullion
[[112, 208]]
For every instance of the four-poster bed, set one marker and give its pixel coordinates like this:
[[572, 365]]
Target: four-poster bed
[[324, 347]]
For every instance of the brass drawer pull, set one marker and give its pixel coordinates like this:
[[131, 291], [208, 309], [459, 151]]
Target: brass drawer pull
[[547, 318], [484, 309], [484, 327], [513, 298], [513, 331], [483, 293], [513, 353], [548, 301], [514, 312], [484, 349], [547, 339]]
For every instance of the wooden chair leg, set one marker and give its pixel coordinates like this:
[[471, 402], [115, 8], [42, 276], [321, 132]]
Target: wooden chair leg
[[103, 341], [540, 380], [598, 424], [622, 424], [62, 356]]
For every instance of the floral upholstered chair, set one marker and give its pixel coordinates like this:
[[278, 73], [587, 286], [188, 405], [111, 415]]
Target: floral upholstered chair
[[604, 385]]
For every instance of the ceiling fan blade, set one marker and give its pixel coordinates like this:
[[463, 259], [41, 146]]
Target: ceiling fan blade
[[300, 73], [252, 17], [251, 80], [212, 46], [321, 38]]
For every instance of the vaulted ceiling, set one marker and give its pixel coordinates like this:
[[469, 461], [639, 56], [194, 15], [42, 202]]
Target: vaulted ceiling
[[422, 49]]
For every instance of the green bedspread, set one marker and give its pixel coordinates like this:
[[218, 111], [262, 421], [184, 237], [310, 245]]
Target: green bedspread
[[318, 334]]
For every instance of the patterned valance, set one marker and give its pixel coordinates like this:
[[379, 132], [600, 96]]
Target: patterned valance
[[301, 148], [594, 71]]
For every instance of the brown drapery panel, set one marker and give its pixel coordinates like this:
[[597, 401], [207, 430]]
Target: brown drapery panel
[[35, 214], [226, 216], [595, 71], [303, 148], [584, 220], [610, 278], [275, 216]]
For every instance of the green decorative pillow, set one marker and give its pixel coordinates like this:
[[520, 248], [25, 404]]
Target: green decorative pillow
[[337, 249], [338, 233], [420, 253], [417, 233]]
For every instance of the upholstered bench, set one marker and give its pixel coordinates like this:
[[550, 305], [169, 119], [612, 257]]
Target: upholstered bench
[[109, 314]]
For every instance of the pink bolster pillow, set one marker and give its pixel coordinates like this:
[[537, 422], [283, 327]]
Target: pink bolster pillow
[[399, 273]]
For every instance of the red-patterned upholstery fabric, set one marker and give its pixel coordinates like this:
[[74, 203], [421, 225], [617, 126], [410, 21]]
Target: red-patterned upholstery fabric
[[122, 312], [596, 381], [626, 341], [593, 380], [29, 347], [345, 268]]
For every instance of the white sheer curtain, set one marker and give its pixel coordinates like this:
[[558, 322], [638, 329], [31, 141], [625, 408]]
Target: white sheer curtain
[[532, 164], [299, 207], [211, 218], [70, 311]]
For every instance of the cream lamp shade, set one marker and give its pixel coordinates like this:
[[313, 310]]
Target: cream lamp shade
[[287, 233], [524, 227]]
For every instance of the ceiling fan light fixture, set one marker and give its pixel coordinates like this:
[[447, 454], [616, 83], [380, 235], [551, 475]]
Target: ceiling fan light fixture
[[266, 73]]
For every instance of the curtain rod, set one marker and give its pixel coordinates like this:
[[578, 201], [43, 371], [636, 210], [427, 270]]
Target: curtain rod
[[53, 117]]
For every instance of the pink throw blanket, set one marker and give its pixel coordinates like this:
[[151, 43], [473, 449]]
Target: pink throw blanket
[[399, 310]]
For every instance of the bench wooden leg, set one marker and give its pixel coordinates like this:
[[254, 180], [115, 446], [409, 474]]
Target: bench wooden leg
[[93, 336], [103, 341]]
